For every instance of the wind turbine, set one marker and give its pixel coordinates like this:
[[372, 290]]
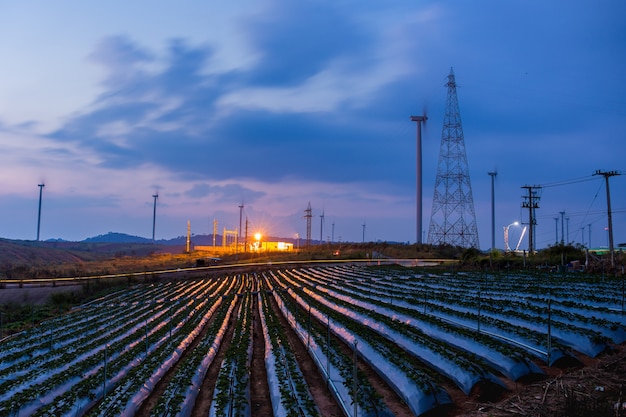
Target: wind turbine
[[420, 121], [39, 212], [155, 196]]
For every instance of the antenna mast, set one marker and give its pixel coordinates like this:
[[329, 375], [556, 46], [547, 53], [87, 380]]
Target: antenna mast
[[453, 221]]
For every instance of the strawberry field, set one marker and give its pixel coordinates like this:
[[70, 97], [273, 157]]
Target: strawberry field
[[342, 339]]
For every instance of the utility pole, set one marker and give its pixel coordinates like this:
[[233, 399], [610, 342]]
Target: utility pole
[[214, 232], [155, 196], [39, 212], [245, 242], [239, 231], [493, 210], [556, 230], [606, 175], [562, 228], [188, 243], [531, 204]]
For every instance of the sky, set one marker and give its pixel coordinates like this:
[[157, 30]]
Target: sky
[[274, 104]]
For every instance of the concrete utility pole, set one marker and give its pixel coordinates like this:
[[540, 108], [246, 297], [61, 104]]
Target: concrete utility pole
[[531, 204], [155, 196], [240, 215], [493, 210], [214, 231], [562, 228], [39, 212], [556, 230], [606, 175]]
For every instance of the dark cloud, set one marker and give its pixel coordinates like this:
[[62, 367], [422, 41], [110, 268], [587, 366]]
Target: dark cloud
[[296, 40], [166, 117]]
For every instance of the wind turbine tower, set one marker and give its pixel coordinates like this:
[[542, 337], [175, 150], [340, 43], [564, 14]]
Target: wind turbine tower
[[453, 221], [155, 196], [420, 120], [39, 211]]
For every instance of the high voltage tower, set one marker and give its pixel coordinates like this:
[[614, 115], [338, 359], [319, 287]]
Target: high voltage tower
[[453, 221], [308, 216]]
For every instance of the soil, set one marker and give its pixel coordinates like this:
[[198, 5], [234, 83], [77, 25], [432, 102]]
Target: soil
[[594, 389], [259, 389], [205, 396]]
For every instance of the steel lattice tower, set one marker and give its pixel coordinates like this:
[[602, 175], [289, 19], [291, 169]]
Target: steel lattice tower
[[308, 216], [453, 221]]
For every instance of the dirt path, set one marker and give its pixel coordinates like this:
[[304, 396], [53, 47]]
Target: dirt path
[[261, 404], [205, 396]]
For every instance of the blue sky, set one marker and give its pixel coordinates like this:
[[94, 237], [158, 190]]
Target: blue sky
[[277, 103]]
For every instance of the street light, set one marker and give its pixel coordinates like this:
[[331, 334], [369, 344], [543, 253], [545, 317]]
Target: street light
[[257, 244], [506, 236]]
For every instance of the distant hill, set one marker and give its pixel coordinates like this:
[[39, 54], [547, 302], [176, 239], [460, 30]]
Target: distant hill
[[114, 237]]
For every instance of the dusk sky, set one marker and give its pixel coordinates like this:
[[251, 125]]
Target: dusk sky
[[275, 104]]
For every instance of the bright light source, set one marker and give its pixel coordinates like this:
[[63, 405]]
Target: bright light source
[[257, 236]]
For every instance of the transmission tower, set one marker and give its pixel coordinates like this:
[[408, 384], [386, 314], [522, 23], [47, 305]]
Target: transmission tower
[[308, 216], [453, 221]]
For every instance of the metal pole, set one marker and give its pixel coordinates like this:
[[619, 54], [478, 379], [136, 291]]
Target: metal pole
[[328, 351], [104, 380], [354, 381], [39, 212], [549, 326], [479, 308]]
